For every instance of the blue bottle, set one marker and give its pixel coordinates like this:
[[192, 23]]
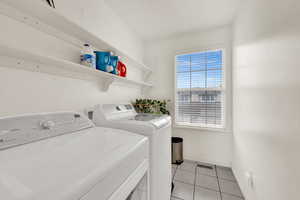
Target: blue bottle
[[87, 56], [102, 60]]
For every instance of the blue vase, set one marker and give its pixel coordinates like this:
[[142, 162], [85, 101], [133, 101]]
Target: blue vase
[[102, 60]]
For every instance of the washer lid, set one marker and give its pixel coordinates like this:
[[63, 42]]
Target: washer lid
[[158, 121], [68, 166], [103, 114], [147, 117]]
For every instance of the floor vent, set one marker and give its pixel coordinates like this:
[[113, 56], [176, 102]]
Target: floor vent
[[205, 166]]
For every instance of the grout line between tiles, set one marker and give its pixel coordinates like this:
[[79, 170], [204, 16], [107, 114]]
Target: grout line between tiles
[[218, 183], [224, 179], [206, 188], [180, 181], [195, 177], [185, 170], [234, 195], [207, 175], [202, 174]]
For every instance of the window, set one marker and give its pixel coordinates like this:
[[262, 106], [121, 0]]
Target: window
[[200, 89]]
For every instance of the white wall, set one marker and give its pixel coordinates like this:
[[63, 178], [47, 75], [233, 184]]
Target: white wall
[[23, 91], [266, 98], [199, 145]]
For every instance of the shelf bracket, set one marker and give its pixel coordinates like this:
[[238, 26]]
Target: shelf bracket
[[106, 83], [146, 75], [145, 89]]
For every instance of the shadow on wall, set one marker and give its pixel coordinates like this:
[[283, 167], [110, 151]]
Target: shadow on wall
[[266, 101]]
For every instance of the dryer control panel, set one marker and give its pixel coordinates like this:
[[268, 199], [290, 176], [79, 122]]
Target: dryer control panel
[[20, 130], [116, 111]]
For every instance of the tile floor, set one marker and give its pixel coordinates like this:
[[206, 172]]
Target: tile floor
[[193, 182]]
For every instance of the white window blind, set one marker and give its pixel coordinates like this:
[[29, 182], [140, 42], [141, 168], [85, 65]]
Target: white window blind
[[200, 89]]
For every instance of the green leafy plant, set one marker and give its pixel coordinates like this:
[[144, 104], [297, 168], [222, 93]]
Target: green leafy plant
[[151, 106]]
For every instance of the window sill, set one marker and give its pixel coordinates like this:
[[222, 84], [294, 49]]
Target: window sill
[[221, 130]]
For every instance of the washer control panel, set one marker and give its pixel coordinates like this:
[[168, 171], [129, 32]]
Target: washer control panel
[[20, 130]]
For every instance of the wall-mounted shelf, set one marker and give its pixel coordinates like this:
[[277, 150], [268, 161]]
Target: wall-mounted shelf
[[30, 61], [44, 18]]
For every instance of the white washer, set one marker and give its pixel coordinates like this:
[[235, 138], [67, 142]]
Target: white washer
[[63, 156], [156, 127]]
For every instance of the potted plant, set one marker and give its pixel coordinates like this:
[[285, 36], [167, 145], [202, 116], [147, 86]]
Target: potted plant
[[152, 106]]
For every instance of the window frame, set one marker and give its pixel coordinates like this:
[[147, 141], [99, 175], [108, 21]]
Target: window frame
[[224, 89]]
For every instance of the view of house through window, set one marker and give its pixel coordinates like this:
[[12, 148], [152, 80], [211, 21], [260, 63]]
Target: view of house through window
[[200, 89]]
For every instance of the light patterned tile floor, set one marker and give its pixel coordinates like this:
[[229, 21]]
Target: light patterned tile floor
[[202, 181]]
